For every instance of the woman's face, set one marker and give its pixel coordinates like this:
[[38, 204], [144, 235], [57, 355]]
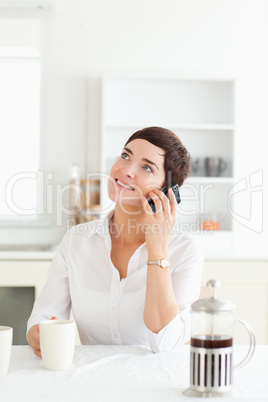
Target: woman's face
[[139, 169]]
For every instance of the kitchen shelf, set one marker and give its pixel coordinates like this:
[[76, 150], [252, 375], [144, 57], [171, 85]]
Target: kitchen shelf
[[216, 243], [206, 180], [201, 113]]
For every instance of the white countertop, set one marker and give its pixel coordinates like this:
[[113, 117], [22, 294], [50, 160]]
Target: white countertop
[[230, 255], [210, 255], [28, 255], [112, 373], [216, 248]]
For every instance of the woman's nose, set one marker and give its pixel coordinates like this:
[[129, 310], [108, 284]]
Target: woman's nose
[[129, 171]]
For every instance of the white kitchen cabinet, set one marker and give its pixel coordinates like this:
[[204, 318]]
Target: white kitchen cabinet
[[20, 283], [28, 273], [24, 273], [201, 113], [245, 283]]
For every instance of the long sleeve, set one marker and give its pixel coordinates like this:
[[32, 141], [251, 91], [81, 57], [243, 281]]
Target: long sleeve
[[186, 279], [54, 299]]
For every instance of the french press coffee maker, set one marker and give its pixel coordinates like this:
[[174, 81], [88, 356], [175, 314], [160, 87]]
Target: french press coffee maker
[[211, 350]]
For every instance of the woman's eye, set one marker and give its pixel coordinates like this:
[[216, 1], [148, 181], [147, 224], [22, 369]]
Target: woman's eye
[[148, 168], [124, 155]]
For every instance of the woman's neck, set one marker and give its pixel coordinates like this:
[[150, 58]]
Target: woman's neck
[[127, 225]]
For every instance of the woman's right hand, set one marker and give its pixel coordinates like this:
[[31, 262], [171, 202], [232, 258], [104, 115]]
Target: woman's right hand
[[33, 337]]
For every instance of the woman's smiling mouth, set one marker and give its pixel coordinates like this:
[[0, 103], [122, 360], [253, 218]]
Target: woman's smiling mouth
[[123, 185]]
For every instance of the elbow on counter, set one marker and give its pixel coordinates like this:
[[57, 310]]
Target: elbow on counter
[[170, 338]]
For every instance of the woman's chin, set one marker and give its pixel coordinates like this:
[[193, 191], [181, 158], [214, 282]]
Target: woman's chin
[[127, 205], [129, 208], [123, 199]]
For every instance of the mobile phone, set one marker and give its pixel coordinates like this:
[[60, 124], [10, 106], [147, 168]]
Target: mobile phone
[[176, 191]]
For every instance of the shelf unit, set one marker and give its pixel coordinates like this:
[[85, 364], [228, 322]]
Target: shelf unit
[[200, 111], [215, 180]]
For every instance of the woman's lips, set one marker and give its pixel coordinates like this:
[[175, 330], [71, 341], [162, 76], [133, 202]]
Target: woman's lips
[[123, 185]]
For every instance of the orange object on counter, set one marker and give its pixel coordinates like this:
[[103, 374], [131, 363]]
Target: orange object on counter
[[210, 225]]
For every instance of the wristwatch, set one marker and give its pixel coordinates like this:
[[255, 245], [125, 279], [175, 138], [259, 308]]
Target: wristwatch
[[163, 263]]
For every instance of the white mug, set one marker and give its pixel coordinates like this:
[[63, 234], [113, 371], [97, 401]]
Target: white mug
[[57, 342], [6, 337]]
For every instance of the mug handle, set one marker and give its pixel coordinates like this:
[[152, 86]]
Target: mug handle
[[252, 344]]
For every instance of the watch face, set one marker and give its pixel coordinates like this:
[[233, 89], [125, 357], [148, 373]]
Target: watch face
[[164, 263]]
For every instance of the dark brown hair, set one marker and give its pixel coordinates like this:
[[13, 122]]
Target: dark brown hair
[[177, 158]]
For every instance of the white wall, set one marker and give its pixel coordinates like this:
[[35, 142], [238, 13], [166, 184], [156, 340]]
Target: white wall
[[179, 38]]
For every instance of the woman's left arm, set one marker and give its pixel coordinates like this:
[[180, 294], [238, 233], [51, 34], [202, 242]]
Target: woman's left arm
[[161, 306]]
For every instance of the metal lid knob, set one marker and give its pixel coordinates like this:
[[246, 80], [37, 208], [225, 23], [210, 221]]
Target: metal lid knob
[[213, 283]]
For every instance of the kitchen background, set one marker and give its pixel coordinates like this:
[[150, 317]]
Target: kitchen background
[[196, 67]]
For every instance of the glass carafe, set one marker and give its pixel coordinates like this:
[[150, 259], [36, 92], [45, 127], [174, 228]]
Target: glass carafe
[[211, 350]]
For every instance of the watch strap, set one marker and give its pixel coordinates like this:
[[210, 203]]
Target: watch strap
[[163, 263]]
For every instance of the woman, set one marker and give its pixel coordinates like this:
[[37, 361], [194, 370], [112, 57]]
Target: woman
[[131, 277]]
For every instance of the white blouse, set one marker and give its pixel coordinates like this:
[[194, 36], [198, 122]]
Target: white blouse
[[107, 310]]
